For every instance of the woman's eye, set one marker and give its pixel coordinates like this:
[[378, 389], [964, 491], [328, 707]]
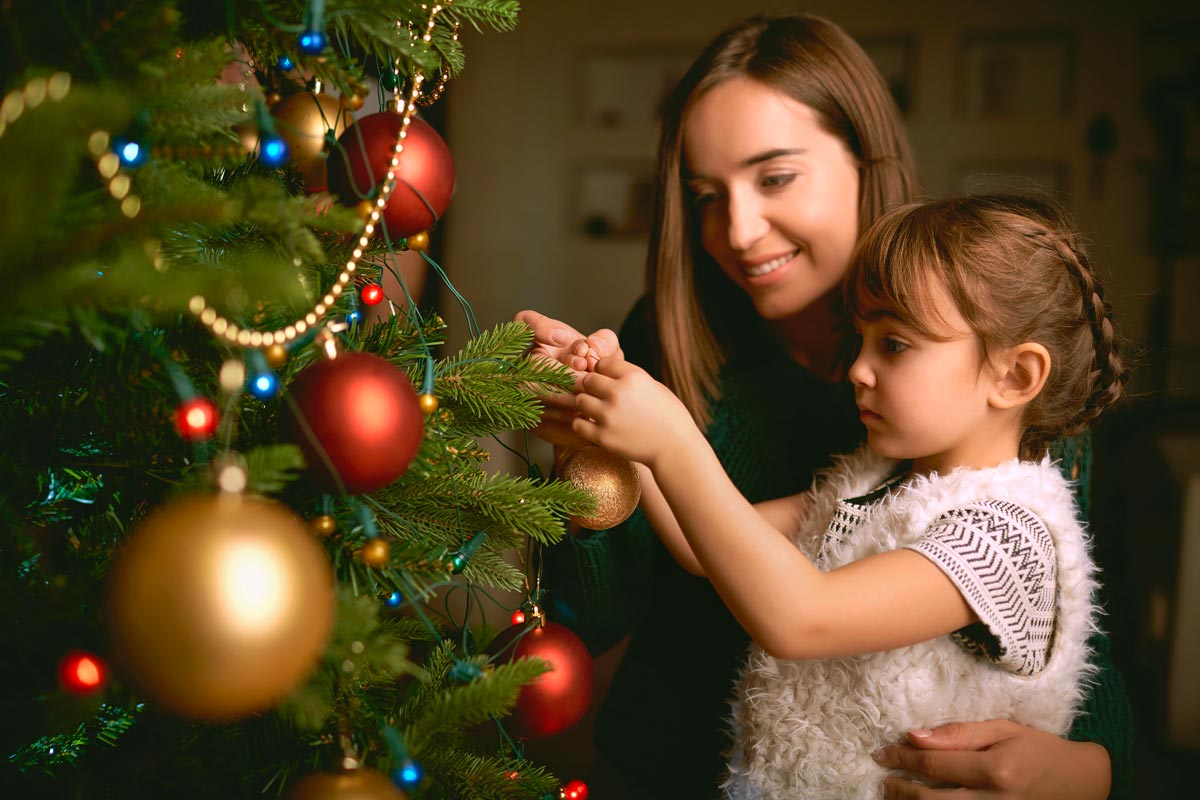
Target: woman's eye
[[894, 345], [778, 181]]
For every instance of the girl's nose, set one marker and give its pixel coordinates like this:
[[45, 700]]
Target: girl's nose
[[860, 373]]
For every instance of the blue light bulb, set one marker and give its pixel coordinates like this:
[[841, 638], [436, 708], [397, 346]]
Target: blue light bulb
[[394, 599], [264, 385], [273, 151], [312, 43], [131, 153], [354, 317], [408, 774], [286, 64]]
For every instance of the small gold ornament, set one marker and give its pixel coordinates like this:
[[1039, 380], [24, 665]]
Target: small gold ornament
[[302, 120], [364, 209], [220, 605], [374, 552], [354, 784], [271, 98], [276, 355], [612, 480], [352, 101], [418, 241], [323, 525], [428, 402]]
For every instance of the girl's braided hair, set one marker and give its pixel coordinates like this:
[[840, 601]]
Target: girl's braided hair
[[1017, 272]]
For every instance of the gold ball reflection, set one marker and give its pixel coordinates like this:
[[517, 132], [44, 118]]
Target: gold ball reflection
[[220, 605]]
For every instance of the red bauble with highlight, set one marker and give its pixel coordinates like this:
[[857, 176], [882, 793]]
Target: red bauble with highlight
[[359, 421], [557, 699], [424, 178]]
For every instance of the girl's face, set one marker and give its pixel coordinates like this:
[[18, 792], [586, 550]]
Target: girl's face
[[928, 399], [775, 195]]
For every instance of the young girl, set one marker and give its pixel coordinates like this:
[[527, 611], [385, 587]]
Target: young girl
[[939, 573]]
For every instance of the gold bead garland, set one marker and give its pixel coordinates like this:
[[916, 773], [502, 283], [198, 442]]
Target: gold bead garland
[[108, 163], [245, 337]]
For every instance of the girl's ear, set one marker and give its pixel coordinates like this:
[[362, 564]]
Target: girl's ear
[[1021, 375]]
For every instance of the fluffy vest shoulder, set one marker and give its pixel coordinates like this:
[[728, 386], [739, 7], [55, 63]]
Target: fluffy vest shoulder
[[806, 729]]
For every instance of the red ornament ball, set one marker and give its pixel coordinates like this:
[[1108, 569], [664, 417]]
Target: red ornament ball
[[424, 177], [196, 419], [359, 423], [557, 699], [372, 294], [81, 673], [575, 790]]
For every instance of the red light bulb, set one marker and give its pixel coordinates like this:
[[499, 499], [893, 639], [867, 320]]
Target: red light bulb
[[575, 790], [518, 617], [196, 419], [372, 294], [81, 673]]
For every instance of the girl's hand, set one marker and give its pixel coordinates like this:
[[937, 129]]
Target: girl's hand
[[623, 409]]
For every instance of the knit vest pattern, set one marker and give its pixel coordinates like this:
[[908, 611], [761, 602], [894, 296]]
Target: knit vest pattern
[[806, 729]]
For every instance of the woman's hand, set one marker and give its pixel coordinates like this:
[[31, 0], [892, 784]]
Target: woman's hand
[[997, 759], [559, 342]]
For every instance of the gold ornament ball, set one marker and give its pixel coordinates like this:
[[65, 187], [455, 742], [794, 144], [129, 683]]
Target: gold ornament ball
[[323, 525], [276, 355], [355, 784], [220, 605], [353, 102], [364, 209], [418, 241], [302, 121], [612, 480], [374, 552], [428, 403]]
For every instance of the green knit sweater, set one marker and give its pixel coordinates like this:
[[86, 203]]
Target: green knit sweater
[[662, 721]]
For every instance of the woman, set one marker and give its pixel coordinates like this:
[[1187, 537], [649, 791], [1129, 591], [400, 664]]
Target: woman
[[779, 146]]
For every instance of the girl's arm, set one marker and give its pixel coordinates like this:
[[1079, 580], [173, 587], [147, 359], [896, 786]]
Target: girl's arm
[[783, 514], [786, 604]]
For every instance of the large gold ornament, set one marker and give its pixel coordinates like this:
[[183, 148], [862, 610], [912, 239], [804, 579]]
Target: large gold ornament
[[221, 605], [302, 120], [612, 480], [355, 784]]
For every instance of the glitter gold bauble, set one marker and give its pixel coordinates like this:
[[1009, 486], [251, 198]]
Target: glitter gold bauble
[[354, 784], [612, 480], [302, 120], [220, 605]]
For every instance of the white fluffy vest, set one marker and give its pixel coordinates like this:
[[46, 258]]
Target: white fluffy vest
[[806, 729]]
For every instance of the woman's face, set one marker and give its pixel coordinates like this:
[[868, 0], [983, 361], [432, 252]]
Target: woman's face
[[776, 196]]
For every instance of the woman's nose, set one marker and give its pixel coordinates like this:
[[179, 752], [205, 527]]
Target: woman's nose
[[746, 222]]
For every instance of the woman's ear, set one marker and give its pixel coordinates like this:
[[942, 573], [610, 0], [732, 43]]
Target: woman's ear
[[1022, 374]]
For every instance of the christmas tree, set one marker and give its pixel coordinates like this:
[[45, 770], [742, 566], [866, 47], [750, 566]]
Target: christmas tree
[[228, 497]]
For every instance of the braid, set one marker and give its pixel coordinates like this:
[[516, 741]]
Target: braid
[[1109, 372]]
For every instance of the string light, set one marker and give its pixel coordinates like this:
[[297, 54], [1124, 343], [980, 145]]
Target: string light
[[222, 328]]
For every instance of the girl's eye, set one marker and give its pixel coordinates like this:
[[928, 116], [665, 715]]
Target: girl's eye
[[893, 345], [778, 181]]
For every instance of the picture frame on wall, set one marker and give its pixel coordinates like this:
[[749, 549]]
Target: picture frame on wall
[[1017, 75], [895, 56], [627, 88], [613, 199], [990, 175]]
